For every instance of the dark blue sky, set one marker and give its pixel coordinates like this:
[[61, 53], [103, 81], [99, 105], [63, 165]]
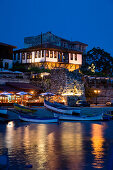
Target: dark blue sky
[[88, 21]]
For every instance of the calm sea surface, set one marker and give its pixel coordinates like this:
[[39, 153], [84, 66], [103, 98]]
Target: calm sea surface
[[63, 146]]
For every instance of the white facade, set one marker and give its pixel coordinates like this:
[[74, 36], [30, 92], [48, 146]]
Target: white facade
[[49, 56], [75, 59]]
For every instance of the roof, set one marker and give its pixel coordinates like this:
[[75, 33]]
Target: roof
[[63, 39], [24, 86], [78, 42], [47, 46], [7, 45]]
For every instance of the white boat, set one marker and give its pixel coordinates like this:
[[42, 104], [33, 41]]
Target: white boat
[[3, 113], [59, 108], [38, 120], [66, 113], [79, 117]]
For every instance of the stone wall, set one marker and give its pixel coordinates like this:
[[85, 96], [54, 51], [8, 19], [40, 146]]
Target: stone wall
[[67, 84], [104, 85]]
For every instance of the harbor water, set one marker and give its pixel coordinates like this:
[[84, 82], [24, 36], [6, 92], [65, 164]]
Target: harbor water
[[65, 146]]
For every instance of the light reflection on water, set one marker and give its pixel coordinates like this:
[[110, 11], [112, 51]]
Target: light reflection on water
[[97, 145], [69, 145]]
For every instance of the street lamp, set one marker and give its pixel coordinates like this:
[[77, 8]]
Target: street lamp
[[96, 92]]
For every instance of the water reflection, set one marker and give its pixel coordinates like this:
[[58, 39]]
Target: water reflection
[[97, 145], [52, 146], [72, 144]]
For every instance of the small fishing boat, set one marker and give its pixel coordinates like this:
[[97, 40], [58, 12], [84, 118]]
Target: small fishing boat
[[3, 113], [24, 109], [37, 120], [59, 108], [79, 117]]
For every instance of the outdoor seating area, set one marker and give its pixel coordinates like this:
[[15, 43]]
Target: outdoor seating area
[[20, 93]]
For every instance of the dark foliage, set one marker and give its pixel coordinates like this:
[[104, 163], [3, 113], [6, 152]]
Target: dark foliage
[[102, 60]]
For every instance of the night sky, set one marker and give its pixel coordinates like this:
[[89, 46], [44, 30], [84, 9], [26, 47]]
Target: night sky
[[88, 21]]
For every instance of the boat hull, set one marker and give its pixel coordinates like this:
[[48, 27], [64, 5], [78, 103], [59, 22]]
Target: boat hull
[[51, 106], [80, 118], [38, 120], [24, 109]]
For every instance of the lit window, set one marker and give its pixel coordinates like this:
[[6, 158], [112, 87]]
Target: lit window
[[71, 56], [75, 57], [23, 56], [36, 54], [28, 55], [47, 53], [51, 54], [39, 54], [31, 55], [55, 54]]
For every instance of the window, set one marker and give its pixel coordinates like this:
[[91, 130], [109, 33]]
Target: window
[[6, 65], [51, 54], [79, 47], [30, 55], [75, 57], [23, 56], [60, 57], [14, 56], [36, 54], [18, 56], [39, 54], [71, 56], [43, 53], [55, 54], [47, 53]]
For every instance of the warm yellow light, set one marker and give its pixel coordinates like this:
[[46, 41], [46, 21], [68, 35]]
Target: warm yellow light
[[71, 94], [67, 94], [96, 91], [32, 92]]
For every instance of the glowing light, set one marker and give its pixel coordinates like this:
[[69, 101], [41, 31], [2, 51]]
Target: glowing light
[[32, 92], [71, 94], [10, 124], [44, 74], [97, 91], [92, 68]]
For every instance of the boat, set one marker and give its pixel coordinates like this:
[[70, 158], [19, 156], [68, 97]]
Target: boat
[[37, 120], [3, 113], [60, 108], [67, 113], [79, 117], [24, 109]]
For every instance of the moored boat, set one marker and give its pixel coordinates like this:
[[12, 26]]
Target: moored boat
[[59, 108], [37, 120], [3, 113], [78, 117], [24, 109]]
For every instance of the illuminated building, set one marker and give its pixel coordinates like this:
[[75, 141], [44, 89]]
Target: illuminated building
[[50, 51]]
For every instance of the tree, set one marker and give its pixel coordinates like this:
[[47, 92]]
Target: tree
[[102, 61]]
